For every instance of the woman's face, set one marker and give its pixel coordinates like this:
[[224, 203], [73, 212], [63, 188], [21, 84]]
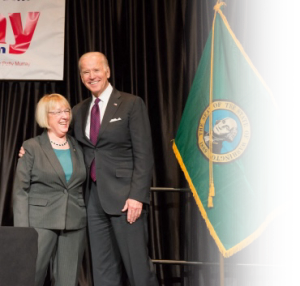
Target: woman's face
[[59, 120]]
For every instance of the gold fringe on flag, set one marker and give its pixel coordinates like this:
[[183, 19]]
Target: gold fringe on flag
[[243, 243]]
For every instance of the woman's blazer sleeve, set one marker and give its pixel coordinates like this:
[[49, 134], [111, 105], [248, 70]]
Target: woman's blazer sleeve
[[22, 186]]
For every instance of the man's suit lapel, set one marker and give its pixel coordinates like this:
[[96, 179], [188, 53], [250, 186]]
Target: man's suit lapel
[[85, 114], [113, 104], [51, 156]]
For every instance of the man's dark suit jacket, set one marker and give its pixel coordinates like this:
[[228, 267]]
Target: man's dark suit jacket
[[123, 152]]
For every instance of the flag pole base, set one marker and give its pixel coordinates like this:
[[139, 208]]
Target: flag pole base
[[221, 259]]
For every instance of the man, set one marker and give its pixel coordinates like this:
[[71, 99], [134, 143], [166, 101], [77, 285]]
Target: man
[[224, 130], [121, 159]]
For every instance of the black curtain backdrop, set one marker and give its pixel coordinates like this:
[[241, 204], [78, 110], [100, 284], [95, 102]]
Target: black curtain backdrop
[[153, 48]]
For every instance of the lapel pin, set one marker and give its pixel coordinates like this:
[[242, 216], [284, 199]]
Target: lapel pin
[[115, 104]]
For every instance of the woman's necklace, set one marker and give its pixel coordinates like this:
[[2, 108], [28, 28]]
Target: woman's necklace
[[63, 144]]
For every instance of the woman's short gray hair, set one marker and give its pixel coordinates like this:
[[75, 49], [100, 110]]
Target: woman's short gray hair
[[46, 103]]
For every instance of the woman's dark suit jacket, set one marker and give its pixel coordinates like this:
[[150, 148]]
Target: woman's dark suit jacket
[[42, 196]]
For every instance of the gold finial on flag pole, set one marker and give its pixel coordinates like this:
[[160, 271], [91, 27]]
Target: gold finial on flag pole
[[219, 5]]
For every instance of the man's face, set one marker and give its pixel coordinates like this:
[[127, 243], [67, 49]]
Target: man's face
[[94, 73], [223, 127]]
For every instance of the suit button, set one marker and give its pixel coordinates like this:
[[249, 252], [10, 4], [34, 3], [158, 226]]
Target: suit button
[[65, 191]]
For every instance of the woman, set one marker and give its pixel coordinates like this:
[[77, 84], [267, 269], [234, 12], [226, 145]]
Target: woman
[[48, 193]]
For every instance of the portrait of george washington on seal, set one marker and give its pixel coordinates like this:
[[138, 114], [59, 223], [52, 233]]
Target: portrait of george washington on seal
[[225, 129]]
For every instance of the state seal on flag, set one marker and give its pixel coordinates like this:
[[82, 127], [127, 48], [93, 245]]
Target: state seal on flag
[[230, 131]]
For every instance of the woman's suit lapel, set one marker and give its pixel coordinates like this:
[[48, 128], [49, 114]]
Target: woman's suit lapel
[[52, 158], [75, 161]]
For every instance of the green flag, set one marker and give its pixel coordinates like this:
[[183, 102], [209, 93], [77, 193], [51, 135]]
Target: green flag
[[225, 139]]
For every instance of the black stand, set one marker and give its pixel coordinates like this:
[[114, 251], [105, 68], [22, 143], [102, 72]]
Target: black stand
[[18, 252]]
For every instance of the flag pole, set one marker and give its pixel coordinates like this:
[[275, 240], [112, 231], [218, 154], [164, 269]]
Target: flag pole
[[221, 257], [221, 269]]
